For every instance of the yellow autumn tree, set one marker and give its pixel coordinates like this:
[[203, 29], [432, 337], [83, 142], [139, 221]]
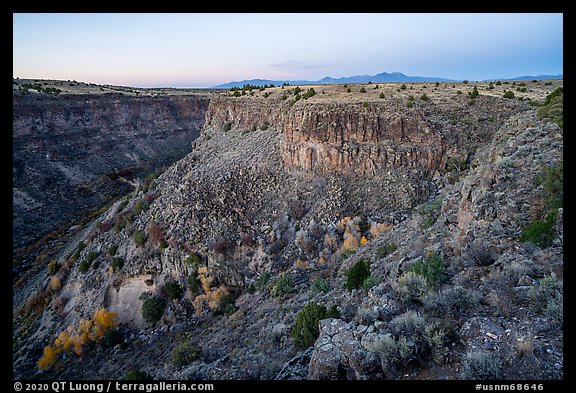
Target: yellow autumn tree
[[211, 297], [49, 357], [350, 242], [363, 241], [104, 320], [377, 229]]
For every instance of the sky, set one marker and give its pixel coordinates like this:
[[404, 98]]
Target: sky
[[204, 50]]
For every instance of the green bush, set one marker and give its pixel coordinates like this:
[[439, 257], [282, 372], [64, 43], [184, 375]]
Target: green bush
[[193, 283], [403, 87], [482, 366], [306, 330], [498, 83], [265, 125], [262, 281], [112, 338], [509, 94], [226, 126], [319, 285], [348, 91], [309, 93], [371, 281], [117, 263], [430, 212], [173, 290], [92, 255], [474, 93], [452, 302], [152, 308], [385, 249], [552, 182], [112, 250], [411, 287], [548, 290], [139, 238], [53, 267], [362, 90], [283, 286], [194, 259], [185, 353], [81, 246], [382, 95], [83, 266], [424, 97], [553, 107], [356, 275], [430, 267], [541, 232]]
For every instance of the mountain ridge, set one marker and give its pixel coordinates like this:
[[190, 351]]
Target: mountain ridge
[[382, 77]]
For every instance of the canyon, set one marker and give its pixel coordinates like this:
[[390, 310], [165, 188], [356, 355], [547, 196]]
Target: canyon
[[266, 195]]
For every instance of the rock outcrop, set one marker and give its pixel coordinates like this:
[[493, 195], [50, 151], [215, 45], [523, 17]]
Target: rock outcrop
[[71, 151]]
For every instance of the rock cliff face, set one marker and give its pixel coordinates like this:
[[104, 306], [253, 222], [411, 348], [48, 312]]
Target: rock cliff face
[[353, 139], [69, 151]]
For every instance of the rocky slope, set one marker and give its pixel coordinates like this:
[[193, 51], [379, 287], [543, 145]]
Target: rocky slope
[[275, 205], [77, 148]]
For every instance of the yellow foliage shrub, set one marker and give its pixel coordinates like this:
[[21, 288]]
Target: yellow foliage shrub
[[48, 357], [377, 229], [55, 283], [350, 242], [74, 339], [299, 264], [363, 241], [211, 298]]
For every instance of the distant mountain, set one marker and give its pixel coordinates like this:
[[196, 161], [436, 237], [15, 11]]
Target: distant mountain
[[378, 78]]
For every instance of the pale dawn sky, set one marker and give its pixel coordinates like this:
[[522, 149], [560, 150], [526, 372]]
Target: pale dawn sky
[[203, 50]]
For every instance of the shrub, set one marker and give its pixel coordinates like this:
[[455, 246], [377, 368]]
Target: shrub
[[221, 246], [152, 309], [112, 250], [553, 107], [365, 104], [509, 94], [193, 283], [92, 255], [296, 90], [81, 246], [482, 366], [382, 95], [465, 82], [452, 302], [226, 126], [541, 232], [283, 287], [53, 267], [385, 249], [112, 338], [173, 290], [348, 91], [362, 90], [430, 212], [194, 259], [424, 97], [306, 329], [319, 285], [474, 93], [411, 286], [185, 353], [262, 280], [371, 281], [83, 266], [265, 125], [430, 267], [356, 275], [548, 290], [309, 93], [139, 238], [403, 87], [498, 83], [552, 182], [136, 375], [155, 232], [117, 263]]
